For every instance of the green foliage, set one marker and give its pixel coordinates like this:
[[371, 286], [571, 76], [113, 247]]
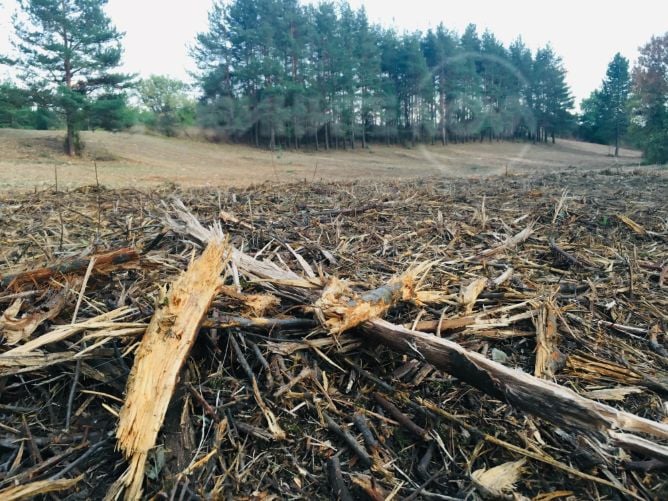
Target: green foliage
[[110, 111], [649, 106], [15, 111], [23, 109], [168, 102], [604, 118], [69, 49], [274, 72], [592, 119]]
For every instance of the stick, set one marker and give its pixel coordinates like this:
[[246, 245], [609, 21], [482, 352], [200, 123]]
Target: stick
[[349, 440], [103, 262], [339, 489], [402, 418]]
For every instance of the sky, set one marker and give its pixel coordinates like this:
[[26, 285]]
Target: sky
[[586, 34]]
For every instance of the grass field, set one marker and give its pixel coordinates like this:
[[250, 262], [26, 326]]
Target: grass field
[[30, 159]]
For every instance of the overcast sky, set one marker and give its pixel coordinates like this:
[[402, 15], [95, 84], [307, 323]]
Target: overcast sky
[[586, 34]]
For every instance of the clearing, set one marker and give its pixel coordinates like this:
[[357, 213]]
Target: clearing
[[28, 160]]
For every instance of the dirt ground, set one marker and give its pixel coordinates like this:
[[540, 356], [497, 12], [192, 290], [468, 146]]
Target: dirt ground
[[31, 159]]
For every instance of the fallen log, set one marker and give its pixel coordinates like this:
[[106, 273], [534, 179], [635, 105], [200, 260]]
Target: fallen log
[[163, 351], [545, 399], [103, 263]]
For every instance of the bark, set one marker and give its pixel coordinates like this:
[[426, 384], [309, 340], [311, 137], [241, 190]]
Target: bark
[[69, 140]]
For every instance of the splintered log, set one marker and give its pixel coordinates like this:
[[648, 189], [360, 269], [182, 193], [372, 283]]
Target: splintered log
[[163, 351], [267, 324], [545, 399], [548, 356], [103, 263]]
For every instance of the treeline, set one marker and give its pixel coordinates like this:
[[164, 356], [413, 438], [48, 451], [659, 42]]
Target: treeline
[[275, 72]]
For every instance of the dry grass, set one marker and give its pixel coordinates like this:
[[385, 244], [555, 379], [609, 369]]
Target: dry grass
[[28, 158]]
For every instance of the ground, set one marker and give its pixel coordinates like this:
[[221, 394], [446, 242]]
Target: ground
[[560, 274], [559, 269], [32, 159]]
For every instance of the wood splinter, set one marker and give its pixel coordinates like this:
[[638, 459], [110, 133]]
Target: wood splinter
[[160, 357]]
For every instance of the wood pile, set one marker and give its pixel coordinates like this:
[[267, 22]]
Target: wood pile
[[499, 338]]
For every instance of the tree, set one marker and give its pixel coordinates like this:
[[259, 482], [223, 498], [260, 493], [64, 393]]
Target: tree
[[168, 101], [614, 98], [71, 48], [25, 108], [15, 105], [650, 96], [551, 99], [276, 72], [592, 119]]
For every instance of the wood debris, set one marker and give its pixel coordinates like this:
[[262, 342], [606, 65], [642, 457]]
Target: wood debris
[[395, 340]]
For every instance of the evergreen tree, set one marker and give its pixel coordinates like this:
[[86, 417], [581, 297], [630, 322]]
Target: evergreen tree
[[551, 99], [15, 106], [592, 119], [614, 98], [650, 107], [275, 72], [71, 48], [520, 90]]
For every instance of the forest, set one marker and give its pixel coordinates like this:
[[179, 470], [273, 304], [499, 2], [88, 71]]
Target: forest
[[279, 74]]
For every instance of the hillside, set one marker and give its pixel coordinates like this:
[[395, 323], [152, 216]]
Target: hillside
[[28, 159]]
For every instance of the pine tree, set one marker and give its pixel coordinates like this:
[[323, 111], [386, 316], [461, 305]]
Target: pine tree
[[614, 98], [592, 119], [70, 47], [650, 89], [275, 72], [14, 106], [551, 97]]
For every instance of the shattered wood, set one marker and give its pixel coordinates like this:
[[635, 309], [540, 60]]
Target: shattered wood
[[276, 358]]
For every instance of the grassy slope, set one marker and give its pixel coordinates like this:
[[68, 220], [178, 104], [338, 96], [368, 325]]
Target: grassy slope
[[27, 160]]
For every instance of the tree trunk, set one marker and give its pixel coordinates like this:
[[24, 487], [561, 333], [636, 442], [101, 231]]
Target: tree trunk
[[69, 141], [327, 136], [444, 138], [616, 141]]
